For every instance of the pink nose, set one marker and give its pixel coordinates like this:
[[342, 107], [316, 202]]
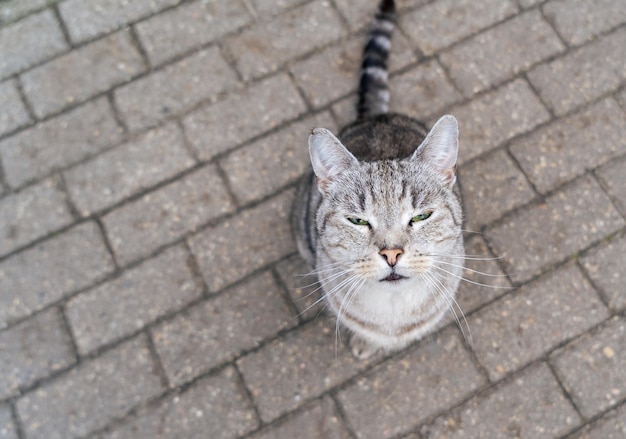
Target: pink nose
[[391, 255]]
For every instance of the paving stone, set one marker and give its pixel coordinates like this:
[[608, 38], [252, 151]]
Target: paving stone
[[264, 47], [32, 213], [82, 73], [160, 217], [360, 14], [127, 169], [299, 366], [580, 20], [7, 428], [422, 92], [485, 281], [59, 142], [604, 265], [495, 117], [274, 7], [395, 396], [442, 23], [590, 370], [492, 186], [217, 330], [303, 288], [551, 231], [268, 164], [22, 46], [501, 52], [582, 75], [90, 396], [175, 88], [14, 114], [523, 326], [216, 128], [33, 350], [86, 20], [37, 277], [612, 177], [321, 420], [190, 25], [215, 407], [551, 155], [611, 426], [262, 234], [13, 9], [138, 297], [345, 110], [530, 405]]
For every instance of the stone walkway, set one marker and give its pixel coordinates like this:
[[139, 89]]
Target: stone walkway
[[149, 284]]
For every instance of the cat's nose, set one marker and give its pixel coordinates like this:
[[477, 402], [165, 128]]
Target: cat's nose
[[391, 255]]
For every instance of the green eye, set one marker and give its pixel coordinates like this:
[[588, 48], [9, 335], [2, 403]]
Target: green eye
[[358, 221], [421, 217]]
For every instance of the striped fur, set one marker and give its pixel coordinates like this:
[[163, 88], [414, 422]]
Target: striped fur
[[358, 207]]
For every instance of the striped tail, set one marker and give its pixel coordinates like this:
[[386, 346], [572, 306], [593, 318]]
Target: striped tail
[[373, 88]]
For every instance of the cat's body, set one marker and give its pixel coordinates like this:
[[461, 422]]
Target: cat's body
[[378, 219]]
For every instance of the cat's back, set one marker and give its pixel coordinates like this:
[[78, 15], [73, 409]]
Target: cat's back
[[383, 137]]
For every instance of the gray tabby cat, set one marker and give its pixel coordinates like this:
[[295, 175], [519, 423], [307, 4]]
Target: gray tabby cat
[[378, 219]]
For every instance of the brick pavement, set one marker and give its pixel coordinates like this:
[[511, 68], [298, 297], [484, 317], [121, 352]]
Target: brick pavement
[[149, 284]]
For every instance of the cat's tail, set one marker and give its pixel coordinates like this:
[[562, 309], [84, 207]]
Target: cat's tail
[[373, 88]]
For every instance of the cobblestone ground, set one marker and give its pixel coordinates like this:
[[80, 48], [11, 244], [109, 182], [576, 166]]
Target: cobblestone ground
[[149, 284]]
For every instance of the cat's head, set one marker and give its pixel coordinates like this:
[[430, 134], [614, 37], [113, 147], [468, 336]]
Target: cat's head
[[387, 220]]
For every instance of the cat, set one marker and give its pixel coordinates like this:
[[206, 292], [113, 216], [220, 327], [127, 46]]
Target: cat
[[377, 217]]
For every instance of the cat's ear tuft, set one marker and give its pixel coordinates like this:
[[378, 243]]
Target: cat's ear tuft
[[328, 156], [440, 147]]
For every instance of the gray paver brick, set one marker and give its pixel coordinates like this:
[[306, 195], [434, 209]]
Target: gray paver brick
[[304, 289], [462, 18], [33, 350], [273, 7], [498, 53], [436, 374], [13, 114], [264, 227], [551, 155], [162, 216], [13, 9], [298, 366], [359, 14], [59, 142], [127, 169], [549, 232], [22, 46], [530, 405], [581, 20], [214, 407], [32, 213], [82, 73], [268, 164], [612, 177], [495, 117], [7, 428], [582, 75], [90, 396], [264, 47], [521, 327], [422, 92], [217, 128], [86, 20], [191, 25], [320, 420], [126, 304], [605, 268], [217, 330], [611, 426], [490, 187], [589, 368], [174, 88], [37, 277]]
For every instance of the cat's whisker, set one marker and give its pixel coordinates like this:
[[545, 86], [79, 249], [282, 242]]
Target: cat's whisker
[[329, 278], [470, 269], [465, 257], [330, 293], [471, 281], [345, 303]]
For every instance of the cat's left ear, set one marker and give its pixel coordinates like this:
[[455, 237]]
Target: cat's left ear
[[328, 156], [440, 147]]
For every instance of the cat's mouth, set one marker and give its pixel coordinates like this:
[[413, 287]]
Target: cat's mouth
[[393, 277]]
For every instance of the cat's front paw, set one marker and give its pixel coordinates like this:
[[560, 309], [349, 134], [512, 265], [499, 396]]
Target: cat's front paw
[[362, 349]]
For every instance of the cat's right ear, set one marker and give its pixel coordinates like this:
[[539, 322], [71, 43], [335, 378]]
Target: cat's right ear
[[328, 156]]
